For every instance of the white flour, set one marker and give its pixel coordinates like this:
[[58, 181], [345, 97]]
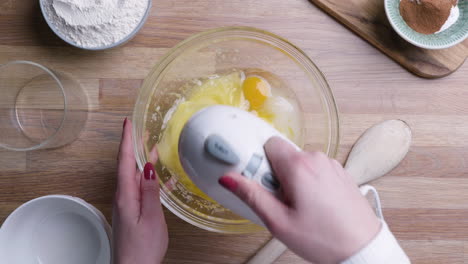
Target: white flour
[[453, 17], [95, 23]]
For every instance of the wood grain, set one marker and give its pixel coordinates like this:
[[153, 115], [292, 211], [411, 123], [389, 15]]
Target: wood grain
[[368, 20], [424, 199]]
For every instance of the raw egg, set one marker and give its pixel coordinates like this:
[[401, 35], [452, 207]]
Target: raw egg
[[256, 91]]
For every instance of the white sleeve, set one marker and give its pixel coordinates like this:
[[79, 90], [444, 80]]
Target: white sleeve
[[383, 249]]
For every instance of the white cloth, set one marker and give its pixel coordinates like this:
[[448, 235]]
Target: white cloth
[[384, 248]]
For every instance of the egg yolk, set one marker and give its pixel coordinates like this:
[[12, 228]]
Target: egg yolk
[[256, 91]]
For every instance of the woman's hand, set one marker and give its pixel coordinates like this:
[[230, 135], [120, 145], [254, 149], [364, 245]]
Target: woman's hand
[[139, 228], [324, 217]]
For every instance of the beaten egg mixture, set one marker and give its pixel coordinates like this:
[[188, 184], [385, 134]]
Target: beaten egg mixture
[[249, 92]]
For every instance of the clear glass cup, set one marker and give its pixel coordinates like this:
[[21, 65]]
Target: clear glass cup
[[216, 52], [39, 108]]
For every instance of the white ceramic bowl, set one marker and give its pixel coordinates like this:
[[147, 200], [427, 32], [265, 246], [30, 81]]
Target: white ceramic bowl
[[55, 229], [121, 42]]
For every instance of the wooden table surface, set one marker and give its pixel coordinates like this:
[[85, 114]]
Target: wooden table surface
[[425, 200]]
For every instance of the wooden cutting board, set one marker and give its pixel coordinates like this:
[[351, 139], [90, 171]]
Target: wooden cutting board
[[367, 18]]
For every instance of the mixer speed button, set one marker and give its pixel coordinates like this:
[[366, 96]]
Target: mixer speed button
[[269, 181], [217, 147], [253, 165]]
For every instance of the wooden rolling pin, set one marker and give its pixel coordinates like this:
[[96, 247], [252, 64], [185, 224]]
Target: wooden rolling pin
[[378, 151]]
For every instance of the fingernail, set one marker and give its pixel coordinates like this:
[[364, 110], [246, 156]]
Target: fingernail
[[125, 122], [149, 172], [228, 183]]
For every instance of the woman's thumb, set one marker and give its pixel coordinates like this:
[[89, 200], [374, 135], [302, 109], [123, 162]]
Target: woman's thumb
[[271, 210], [150, 206]]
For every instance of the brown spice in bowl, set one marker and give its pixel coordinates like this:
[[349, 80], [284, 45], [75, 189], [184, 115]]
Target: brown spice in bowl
[[426, 16]]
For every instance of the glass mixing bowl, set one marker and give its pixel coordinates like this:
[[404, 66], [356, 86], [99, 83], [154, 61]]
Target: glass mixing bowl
[[215, 52]]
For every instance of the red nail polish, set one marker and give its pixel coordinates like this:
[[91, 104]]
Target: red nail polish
[[149, 172], [125, 122], [228, 183]]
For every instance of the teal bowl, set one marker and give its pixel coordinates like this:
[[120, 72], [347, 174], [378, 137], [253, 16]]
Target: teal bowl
[[455, 34]]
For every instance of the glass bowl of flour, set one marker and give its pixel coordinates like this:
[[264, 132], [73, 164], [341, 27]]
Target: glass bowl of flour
[[95, 24]]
